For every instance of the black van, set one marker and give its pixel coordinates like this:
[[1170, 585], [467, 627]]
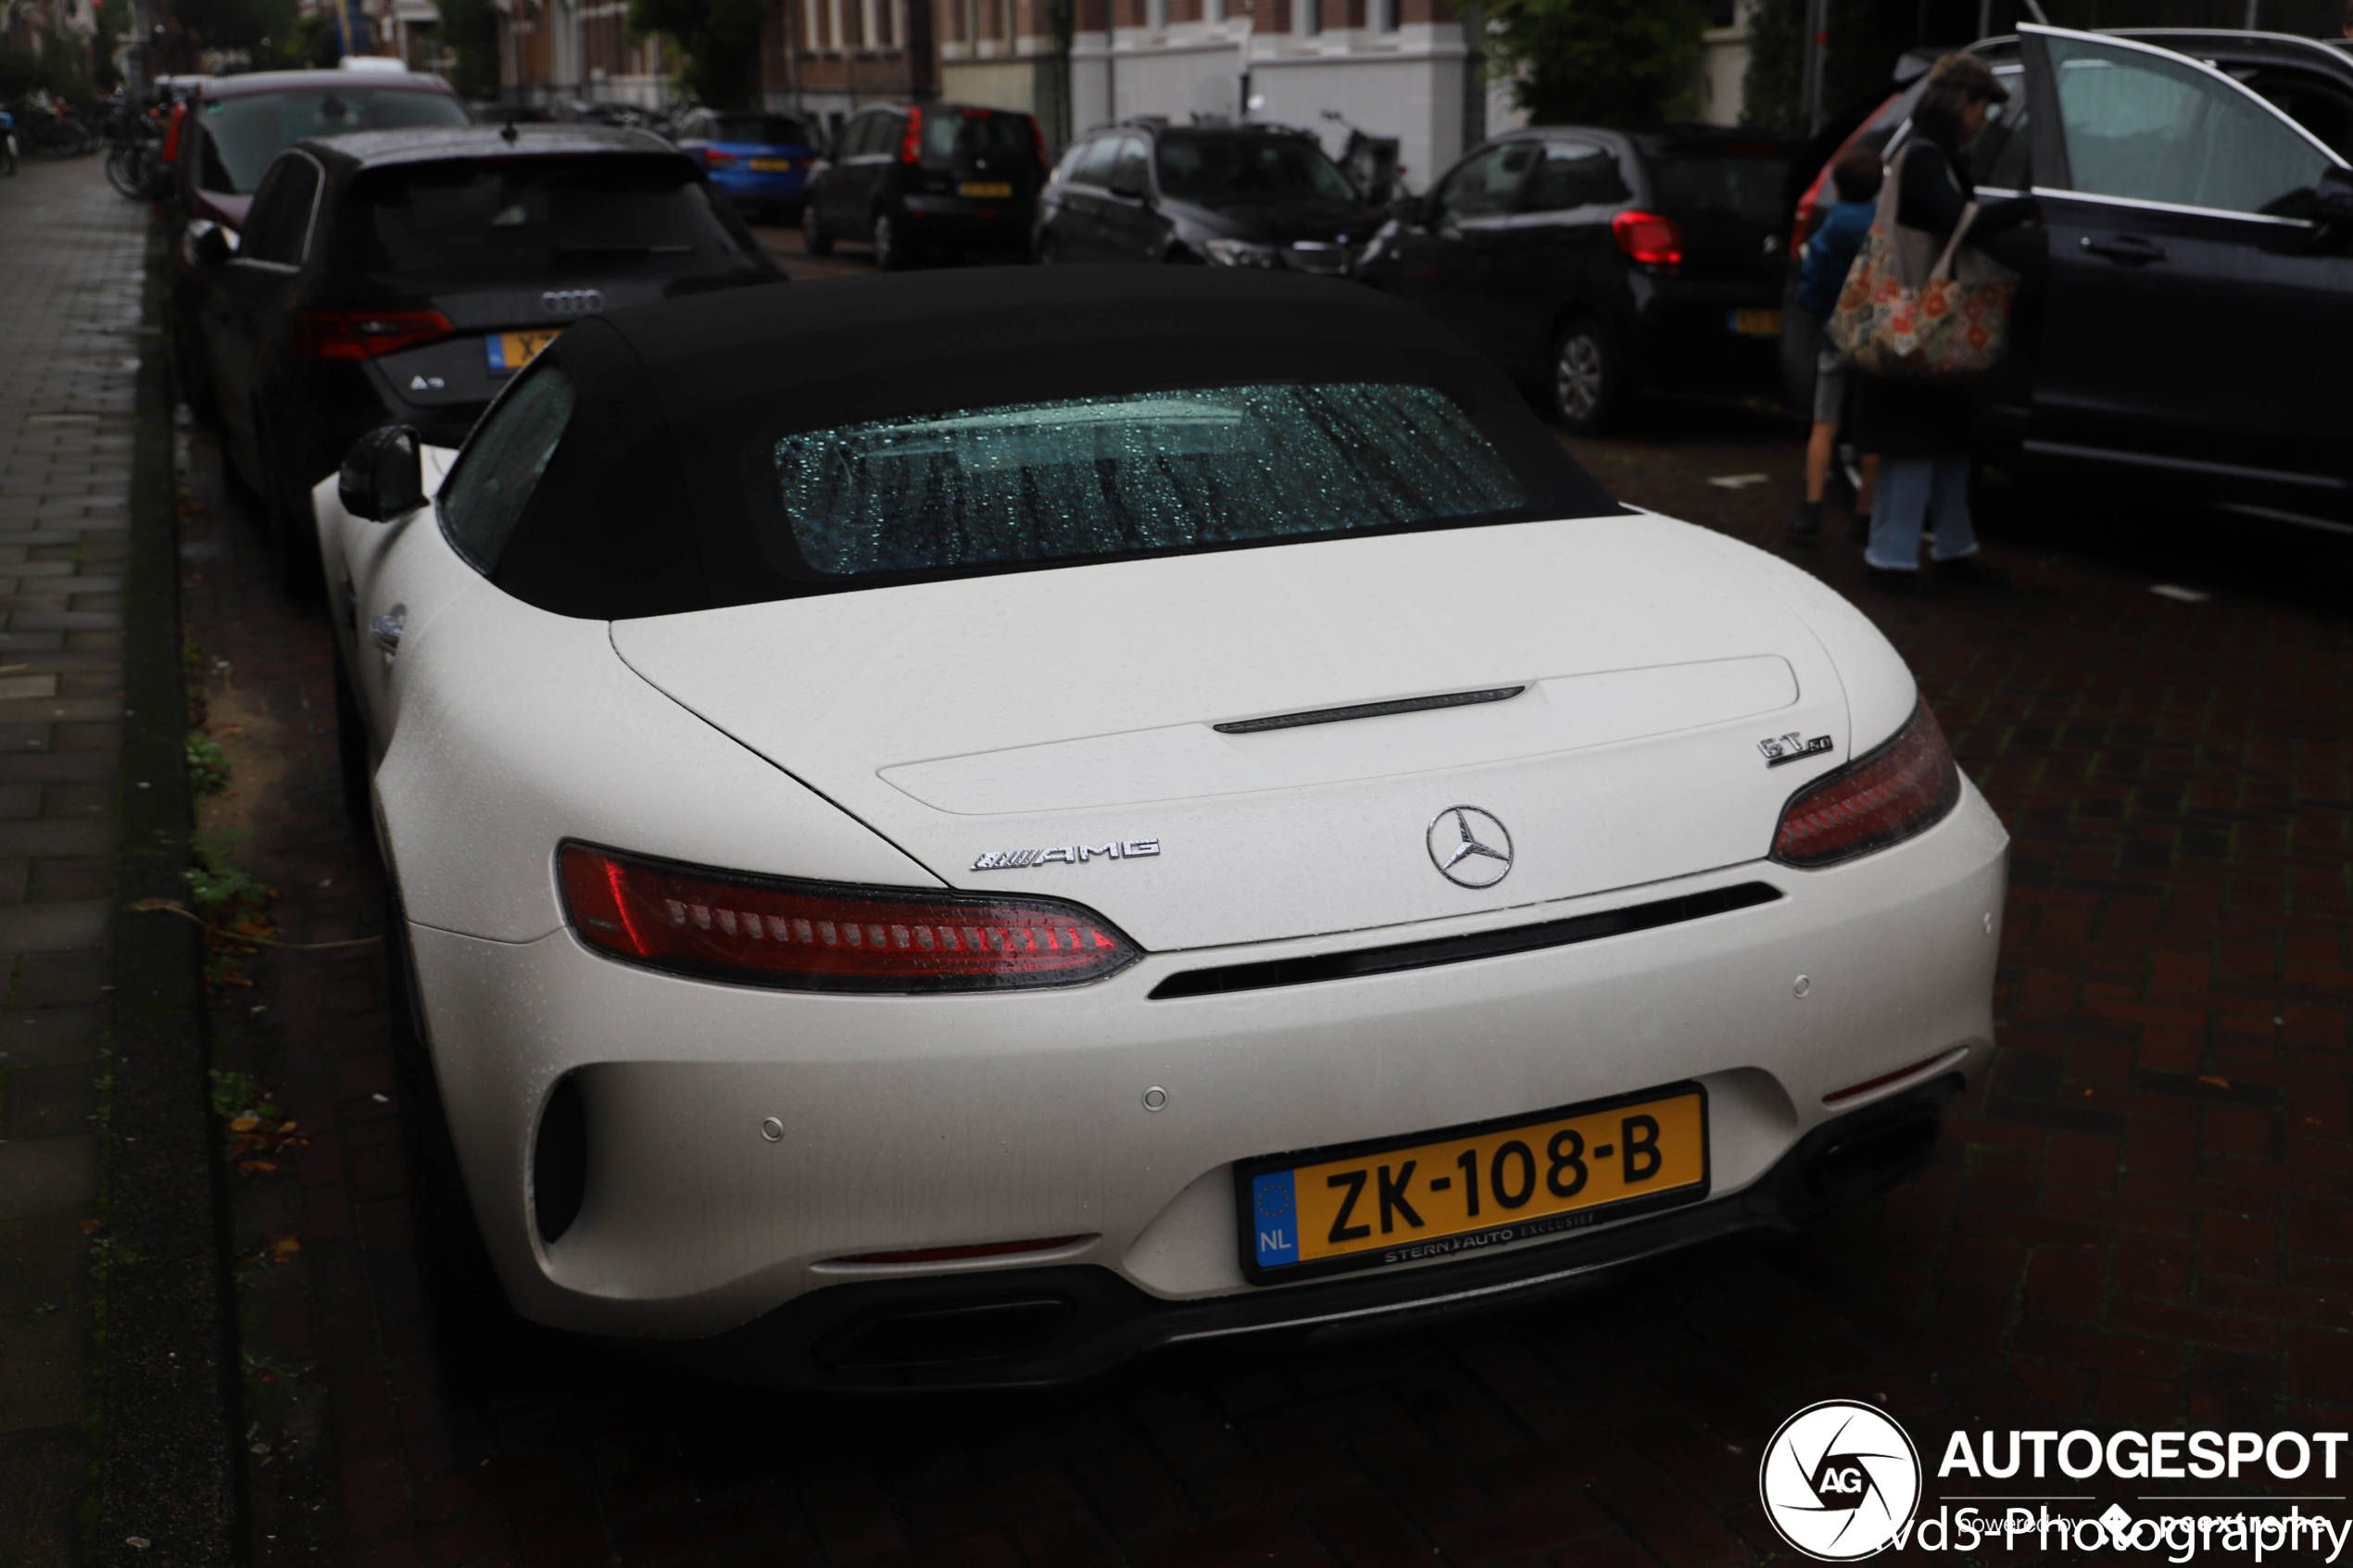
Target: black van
[[1597, 260], [907, 177]]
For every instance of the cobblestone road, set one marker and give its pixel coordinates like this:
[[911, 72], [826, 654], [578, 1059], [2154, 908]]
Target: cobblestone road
[[2140, 1216], [70, 253]]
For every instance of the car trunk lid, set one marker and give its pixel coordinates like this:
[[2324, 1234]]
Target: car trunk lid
[[1097, 733]]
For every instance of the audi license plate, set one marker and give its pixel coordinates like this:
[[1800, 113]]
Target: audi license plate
[[771, 166], [1471, 1187], [513, 351], [984, 188], [1757, 323]]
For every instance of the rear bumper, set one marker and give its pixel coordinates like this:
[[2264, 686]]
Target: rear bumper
[[747, 186], [910, 1123], [1008, 219], [1032, 1326], [1683, 338]]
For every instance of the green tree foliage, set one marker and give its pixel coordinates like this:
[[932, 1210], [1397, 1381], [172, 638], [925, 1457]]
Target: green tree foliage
[[720, 40], [259, 27], [471, 30], [1866, 39], [1600, 62]]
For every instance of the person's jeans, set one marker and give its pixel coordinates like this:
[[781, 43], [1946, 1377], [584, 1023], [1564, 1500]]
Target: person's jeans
[[1911, 489]]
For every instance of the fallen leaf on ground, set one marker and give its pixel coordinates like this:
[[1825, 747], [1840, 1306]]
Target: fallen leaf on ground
[[245, 1124], [91, 1227], [282, 1246], [2217, 1082]]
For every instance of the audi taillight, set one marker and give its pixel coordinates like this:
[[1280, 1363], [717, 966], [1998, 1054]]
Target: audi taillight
[[911, 145], [1649, 237], [363, 334], [1902, 788], [712, 158], [829, 936]]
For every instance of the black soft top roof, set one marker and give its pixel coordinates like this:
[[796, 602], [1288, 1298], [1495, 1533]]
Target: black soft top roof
[[646, 507], [428, 144]]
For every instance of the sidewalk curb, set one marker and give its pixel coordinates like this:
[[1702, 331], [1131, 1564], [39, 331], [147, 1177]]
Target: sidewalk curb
[[169, 1471]]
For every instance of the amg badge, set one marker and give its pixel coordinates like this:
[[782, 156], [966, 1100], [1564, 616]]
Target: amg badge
[[1791, 748], [1067, 854]]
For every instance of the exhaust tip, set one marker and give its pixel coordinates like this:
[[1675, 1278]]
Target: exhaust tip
[[560, 1161]]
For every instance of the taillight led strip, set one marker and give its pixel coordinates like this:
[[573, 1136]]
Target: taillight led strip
[[1893, 793], [829, 936]]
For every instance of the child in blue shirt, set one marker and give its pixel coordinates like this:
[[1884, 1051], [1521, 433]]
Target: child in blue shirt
[[1829, 255]]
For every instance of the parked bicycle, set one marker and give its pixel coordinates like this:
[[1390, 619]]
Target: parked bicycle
[[135, 158]]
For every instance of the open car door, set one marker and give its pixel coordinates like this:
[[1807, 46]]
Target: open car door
[[2198, 317]]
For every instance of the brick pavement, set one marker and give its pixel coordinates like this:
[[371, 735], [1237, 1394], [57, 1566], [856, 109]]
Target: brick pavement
[[71, 255], [2141, 1215]]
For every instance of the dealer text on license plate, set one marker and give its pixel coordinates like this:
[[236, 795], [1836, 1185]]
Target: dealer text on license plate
[[1471, 1187], [1757, 323], [984, 188], [771, 166], [513, 351]]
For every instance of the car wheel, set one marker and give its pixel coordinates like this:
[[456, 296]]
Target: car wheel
[[352, 758], [465, 1305], [285, 505], [892, 253], [1586, 377], [813, 238], [193, 370]]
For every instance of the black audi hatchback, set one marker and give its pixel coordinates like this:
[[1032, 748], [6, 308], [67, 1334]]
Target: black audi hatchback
[[401, 277], [1597, 261], [1241, 195]]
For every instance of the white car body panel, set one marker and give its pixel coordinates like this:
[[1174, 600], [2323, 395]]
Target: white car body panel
[[1655, 655], [867, 737]]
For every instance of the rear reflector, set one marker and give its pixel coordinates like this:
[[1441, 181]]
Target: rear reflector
[[830, 936], [952, 1254], [1868, 1084], [1903, 788], [911, 145]]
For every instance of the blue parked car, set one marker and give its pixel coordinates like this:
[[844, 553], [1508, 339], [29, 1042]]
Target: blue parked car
[[759, 161]]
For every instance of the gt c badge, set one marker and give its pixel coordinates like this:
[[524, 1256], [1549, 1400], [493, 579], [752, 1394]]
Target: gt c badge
[[1470, 847], [1792, 748]]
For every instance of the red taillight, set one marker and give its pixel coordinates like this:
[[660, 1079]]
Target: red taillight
[[1037, 140], [1807, 204], [1649, 238], [363, 334], [1903, 787], [827, 936], [171, 133], [712, 158], [953, 1254], [911, 145]]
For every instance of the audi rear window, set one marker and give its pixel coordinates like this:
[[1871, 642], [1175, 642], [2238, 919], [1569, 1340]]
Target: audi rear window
[[1090, 478], [531, 219], [1726, 182], [243, 135]]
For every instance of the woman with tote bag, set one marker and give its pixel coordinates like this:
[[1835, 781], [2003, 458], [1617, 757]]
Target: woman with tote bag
[[1919, 426]]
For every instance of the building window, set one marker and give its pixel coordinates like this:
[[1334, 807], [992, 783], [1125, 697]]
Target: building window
[[1311, 17]]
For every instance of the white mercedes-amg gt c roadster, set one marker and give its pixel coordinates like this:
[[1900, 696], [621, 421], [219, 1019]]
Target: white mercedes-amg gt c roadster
[[952, 830]]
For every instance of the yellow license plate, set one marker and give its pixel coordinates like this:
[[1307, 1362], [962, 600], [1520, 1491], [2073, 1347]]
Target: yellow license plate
[[771, 165], [1758, 323], [1472, 1187], [513, 351], [984, 188]]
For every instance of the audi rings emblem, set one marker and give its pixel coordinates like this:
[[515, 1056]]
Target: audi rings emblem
[[573, 302], [1469, 847]]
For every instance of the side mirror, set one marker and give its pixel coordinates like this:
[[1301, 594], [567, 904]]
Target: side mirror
[[1127, 190], [383, 476], [2332, 196], [214, 244]]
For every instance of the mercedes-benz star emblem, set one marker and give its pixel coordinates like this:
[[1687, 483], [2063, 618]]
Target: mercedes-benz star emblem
[[1470, 847]]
